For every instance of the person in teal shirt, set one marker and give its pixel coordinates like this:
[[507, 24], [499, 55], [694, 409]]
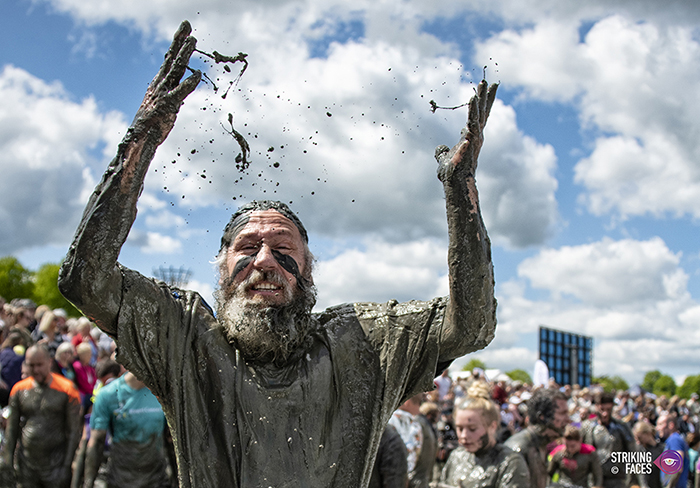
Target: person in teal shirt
[[134, 418]]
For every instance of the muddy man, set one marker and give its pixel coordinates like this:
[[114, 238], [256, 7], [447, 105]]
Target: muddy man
[[265, 392]]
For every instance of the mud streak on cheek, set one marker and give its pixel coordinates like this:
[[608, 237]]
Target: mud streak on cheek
[[290, 266], [241, 265]]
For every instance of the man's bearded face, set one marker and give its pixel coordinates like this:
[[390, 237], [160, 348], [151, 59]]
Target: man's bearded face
[[264, 303]]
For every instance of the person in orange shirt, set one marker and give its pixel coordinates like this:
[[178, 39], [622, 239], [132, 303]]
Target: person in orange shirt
[[46, 439]]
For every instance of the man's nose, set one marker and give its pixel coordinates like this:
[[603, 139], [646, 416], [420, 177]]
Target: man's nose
[[264, 258]]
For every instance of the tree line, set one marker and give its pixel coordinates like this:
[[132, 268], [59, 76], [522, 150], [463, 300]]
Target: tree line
[[654, 381], [41, 285]]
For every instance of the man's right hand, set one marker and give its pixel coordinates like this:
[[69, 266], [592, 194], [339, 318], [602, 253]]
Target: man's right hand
[[89, 277], [165, 94]]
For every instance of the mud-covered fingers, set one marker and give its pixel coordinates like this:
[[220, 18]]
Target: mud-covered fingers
[[179, 38], [490, 98], [186, 87], [481, 92], [474, 122], [179, 65]]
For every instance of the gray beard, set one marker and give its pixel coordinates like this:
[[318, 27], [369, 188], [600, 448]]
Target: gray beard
[[267, 334]]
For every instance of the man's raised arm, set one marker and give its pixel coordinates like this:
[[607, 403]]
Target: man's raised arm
[[89, 277], [471, 315]]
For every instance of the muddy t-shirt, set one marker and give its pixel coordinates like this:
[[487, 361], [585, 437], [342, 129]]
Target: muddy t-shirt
[[314, 423], [135, 420]]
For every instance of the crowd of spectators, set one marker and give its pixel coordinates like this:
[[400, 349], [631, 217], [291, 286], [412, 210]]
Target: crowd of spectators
[[81, 354], [558, 436], [603, 441]]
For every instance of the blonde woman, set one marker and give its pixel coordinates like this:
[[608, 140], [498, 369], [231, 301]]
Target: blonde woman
[[48, 332], [480, 462]]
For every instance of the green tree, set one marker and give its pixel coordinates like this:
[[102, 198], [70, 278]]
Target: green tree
[[474, 363], [611, 383], [46, 289], [649, 379], [690, 385], [664, 386], [15, 279], [519, 375]]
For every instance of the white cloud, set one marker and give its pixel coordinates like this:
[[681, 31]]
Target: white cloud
[[505, 359], [607, 272], [375, 151], [516, 183], [161, 244], [637, 83], [164, 219], [631, 296], [47, 141], [383, 271], [206, 290], [544, 60], [154, 242], [510, 358]]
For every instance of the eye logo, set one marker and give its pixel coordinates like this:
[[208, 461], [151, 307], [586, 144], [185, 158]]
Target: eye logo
[[670, 462]]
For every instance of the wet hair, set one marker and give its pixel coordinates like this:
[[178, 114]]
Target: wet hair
[[542, 405], [478, 398], [239, 220], [572, 433]]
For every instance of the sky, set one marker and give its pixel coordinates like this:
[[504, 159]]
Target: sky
[[589, 177]]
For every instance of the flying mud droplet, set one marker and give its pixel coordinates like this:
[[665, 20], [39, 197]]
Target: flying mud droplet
[[242, 162]]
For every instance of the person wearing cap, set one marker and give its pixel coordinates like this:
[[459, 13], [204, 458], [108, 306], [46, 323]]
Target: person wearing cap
[[264, 392]]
